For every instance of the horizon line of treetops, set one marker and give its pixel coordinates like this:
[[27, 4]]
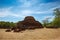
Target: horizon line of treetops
[[55, 23]]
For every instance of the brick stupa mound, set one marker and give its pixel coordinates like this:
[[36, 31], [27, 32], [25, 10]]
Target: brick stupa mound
[[28, 23]]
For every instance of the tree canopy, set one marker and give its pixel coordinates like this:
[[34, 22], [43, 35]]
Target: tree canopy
[[4, 24]]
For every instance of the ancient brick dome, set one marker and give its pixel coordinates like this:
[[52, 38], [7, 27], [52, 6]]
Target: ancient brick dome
[[29, 23], [29, 18]]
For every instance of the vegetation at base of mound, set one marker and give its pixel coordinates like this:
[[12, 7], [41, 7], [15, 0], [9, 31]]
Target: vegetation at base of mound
[[4, 24]]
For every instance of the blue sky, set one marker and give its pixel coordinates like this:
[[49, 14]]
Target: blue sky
[[16, 10]]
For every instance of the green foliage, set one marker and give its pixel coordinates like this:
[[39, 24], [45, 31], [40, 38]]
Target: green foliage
[[56, 21], [12, 24], [57, 13], [7, 24]]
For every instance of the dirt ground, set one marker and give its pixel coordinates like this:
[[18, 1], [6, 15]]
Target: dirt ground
[[37, 34]]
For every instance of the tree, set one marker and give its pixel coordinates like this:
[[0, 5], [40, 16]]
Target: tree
[[57, 13], [12, 24], [56, 21], [4, 24]]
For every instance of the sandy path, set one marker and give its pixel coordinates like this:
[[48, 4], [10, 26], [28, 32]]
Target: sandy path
[[37, 34]]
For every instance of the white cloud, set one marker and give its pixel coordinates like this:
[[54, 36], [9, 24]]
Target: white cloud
[[25, 12], [41, 8], [25, 3], [6, 12], [49, 18], [29, 8], [22, 13], [45, 6]]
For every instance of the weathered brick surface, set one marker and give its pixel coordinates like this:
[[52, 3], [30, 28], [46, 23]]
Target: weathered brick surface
[[29, 22]]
